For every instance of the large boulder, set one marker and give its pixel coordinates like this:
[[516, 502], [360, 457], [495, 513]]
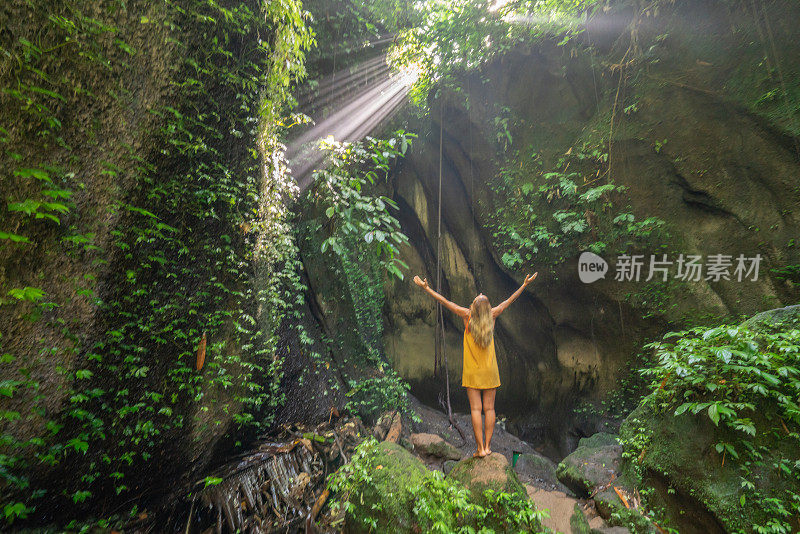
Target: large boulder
[[434, 446], [389, 498], [490, 472], [787, 317], [538, 470], [593, 470], [593, 464], [399, 494], [700, 490], [493, 473]]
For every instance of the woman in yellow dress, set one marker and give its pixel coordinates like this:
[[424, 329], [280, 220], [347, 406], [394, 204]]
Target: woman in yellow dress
[[480, 374]]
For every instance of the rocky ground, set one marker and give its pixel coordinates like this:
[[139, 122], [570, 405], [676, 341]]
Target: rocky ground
[[440, 446]]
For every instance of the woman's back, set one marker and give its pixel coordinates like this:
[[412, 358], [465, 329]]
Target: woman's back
[[480, 363]]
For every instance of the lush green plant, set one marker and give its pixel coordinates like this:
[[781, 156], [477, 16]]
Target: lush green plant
[[343, 185], [790, 273], [747, 383], [451, 37], [440, 504], [371, 397], [195, 246], [550, 214], [357, 242]]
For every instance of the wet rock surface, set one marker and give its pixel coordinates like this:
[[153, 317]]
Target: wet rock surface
[[592, 465], [489, 472], [434, 446]]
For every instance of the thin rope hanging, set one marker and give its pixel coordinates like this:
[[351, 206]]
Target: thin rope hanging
[[472, 253], [437, 361], [440, 354]]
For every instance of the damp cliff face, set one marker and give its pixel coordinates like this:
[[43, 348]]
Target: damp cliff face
[[701, 140], [141, 213]]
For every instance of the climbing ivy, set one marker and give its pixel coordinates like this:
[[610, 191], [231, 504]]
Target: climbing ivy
[[198, 247], [351, 211], [352, 239], [449, 38], [548, 213]]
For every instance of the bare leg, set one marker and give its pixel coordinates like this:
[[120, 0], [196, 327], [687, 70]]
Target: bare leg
[[488, 410], [474, 397]]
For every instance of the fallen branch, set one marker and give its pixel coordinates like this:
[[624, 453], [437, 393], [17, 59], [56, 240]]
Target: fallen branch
[[338, 444], [622, 498], [318, 504]]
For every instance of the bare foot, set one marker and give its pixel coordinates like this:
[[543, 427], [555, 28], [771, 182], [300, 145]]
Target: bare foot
[[487, 451], [480, 454]]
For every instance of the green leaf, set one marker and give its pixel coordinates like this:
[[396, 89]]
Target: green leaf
[[14, 237], [31, 294], [80, 496], [33, 173], [713, 414], [212, 481], [15, 510]]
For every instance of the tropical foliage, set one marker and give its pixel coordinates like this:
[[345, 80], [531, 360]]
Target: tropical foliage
[[746, 382]]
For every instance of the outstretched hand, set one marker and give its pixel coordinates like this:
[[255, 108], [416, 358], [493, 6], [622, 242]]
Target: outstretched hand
[[420, 282], [529, 278]]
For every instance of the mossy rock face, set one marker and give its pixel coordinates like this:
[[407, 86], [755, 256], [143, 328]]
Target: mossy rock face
[[700, 493], [592, 464], [448, 466], [491, 472], [607, 502], [389, 498], [787, 317], [538, 468], [600, 439], [617, 516]]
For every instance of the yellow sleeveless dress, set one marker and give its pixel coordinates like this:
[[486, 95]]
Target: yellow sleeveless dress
[[480, 364]]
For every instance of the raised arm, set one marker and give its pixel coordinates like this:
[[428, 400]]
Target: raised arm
[[455, 308], [500, 308]]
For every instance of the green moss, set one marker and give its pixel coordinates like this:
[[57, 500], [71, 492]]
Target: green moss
[[590, 465], [442, 449], [388, 498], [578, 522], [780, 318], [572, 478], [599, 439]]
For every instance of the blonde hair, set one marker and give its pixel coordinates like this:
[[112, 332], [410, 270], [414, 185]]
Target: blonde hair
[[481, 325]]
